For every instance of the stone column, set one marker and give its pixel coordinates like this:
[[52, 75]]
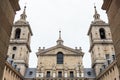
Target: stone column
[[78, 74], [54, 74], [65, 74]]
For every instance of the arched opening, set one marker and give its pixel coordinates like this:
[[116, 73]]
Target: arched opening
[[17, 33], [60, 58], [102, 33]]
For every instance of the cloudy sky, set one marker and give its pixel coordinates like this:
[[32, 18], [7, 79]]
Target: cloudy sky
[[72, 17]]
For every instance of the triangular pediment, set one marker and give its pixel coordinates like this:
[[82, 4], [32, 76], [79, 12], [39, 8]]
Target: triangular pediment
[[60, 48]]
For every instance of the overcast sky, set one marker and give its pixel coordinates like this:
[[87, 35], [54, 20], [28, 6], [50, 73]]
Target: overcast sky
[[72, 17]]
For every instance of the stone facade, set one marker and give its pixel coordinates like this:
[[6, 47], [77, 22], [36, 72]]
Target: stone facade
[[8, 9], [112, 8], [49, 66], [61, 62]]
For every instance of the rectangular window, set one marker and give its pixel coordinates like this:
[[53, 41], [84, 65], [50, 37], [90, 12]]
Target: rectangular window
[[48, 74], [71, 74], [107, 56], [59, 74], [113, 57], [13, 56]]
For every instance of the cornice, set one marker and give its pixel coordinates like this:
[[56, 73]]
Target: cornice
[[25, 25], [64, 54], [99, 42], [97, 25], [28, 46]]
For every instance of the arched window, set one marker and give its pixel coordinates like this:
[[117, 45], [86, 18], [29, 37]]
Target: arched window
[[102, 33], [60, 57], [17, 33]]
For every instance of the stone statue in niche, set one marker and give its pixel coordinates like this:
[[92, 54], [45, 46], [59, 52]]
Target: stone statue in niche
[[54, 67], [79, 67], [41, 67], [54, 70], [65, 67]]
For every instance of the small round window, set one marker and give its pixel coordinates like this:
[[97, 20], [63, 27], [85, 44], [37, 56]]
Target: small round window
[[14, 48]]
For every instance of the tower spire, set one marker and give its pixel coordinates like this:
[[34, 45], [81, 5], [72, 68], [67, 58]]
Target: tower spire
[[23, 15], [59, 41], [96, 15]]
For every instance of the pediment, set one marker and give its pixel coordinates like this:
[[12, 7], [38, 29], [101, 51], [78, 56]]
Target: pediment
[[59, 48]]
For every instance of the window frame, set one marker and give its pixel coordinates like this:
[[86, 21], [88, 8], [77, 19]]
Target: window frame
[[102, 33], [17, 33], [59, 74], [48, 74], [60, 58], [71, 74], [13, 56]]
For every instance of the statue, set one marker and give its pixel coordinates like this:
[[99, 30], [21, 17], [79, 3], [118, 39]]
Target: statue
[[54, 70], [41, 67], [65, 67], [79, 69], [54, 67]]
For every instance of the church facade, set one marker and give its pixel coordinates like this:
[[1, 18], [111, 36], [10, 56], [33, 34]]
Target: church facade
[[61, 62]]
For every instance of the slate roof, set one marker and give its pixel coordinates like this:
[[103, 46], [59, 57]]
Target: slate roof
[[88, 73]]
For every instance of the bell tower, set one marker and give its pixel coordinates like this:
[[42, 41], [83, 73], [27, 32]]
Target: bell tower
[[101, 44], [19, 47]]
